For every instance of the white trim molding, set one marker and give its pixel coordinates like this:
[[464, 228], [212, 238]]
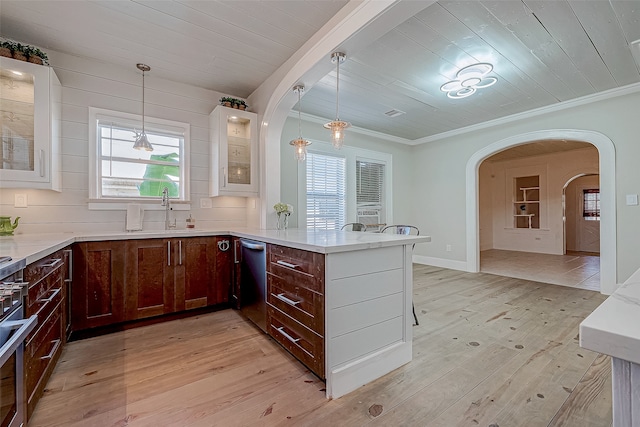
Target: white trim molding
[[440, 262], [606, 150]]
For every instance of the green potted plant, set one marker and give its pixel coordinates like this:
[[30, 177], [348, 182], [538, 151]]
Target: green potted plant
[[19, 52], [241, 104], [35, 55], [226, 101], [6, 49]]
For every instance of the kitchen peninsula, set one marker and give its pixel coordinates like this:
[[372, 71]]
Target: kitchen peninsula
[[367, 295], [612, 329]]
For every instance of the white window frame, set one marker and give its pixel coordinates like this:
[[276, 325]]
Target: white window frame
[[351, 154], [120, 203]]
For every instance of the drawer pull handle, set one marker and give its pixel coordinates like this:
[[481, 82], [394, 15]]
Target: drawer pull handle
[[281, 297], [48, 300], [52, 263], [53, 350], [287, 264], [286, 335]]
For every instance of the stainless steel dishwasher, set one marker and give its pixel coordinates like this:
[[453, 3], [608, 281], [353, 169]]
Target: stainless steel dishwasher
[[253, 281]]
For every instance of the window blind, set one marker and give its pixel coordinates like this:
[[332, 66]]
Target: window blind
[[369, 183], [326, 198]]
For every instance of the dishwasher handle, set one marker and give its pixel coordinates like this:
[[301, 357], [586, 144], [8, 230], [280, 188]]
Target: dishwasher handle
[[254, 246]]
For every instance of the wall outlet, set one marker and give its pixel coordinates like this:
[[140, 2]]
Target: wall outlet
[[20, 201], [448, 248], [206, 203], [632, 200]]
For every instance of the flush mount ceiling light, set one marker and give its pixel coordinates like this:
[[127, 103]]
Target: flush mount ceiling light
[[300, 144], [468, 80], [337, 126], [142, 142]]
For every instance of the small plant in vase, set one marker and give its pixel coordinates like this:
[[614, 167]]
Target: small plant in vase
[[283, 210]]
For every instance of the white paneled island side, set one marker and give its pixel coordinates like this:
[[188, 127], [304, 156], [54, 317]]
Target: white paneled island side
[[368, 291], [612, 329]]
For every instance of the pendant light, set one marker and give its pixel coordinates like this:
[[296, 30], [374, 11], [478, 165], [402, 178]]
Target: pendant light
[[337, 126], [300, 144], [142, 142]]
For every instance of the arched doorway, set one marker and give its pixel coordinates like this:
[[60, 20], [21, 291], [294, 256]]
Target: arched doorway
[[607, 198]]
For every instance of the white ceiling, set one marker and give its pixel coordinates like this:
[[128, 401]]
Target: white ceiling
[[543, 53]]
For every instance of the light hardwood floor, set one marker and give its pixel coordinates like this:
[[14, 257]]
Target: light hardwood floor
[[576, 269], [489, 351]]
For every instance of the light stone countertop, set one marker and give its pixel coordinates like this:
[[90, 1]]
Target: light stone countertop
[[614, 327], [32, 247]]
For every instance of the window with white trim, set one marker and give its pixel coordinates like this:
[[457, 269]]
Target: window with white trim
[[326, 194], [122, 173]]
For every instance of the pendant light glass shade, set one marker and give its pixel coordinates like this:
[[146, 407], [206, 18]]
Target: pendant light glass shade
[[300, 144], [337, 126], [142, 142]]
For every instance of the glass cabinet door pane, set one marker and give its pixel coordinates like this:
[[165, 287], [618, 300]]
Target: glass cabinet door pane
[[239, 146], [16, 120]]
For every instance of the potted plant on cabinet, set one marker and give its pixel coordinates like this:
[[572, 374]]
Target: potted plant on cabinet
[[6, 49], [226, 101], [35, 55]]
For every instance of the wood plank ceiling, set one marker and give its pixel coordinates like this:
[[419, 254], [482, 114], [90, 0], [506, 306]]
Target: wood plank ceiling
[[543, 52]]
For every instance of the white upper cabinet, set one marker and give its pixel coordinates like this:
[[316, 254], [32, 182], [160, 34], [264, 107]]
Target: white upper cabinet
[[30, 111], [234, 152]]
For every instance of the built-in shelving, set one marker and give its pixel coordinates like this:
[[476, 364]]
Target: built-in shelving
[[526, 204]]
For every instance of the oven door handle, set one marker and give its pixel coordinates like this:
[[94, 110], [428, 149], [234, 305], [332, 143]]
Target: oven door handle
[[24, 327]]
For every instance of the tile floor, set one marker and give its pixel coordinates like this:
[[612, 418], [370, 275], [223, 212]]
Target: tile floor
[[577, 269]]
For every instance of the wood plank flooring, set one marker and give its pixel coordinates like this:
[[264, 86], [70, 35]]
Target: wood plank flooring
[[489, 351], [575, 269]]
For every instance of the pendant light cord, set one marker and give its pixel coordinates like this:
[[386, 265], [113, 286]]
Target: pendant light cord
[[299, 116], [143, 101], [337, 87]]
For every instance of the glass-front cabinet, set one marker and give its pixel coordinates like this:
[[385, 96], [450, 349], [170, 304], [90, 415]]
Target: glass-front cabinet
[[234, 152], [30, 110]]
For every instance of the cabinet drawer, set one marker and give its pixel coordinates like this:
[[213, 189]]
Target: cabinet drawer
[[295, 265], [304, 305], [304, 344], [41, 351], [37, 270], [44, 306], [40, 290]]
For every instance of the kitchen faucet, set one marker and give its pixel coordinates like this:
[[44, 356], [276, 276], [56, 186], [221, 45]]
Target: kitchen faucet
[[166, 202]]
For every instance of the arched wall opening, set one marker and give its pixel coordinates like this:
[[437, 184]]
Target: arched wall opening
[[606, 153]]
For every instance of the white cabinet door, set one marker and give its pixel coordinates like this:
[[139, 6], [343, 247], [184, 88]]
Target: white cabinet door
[[234, 152], [30, 104]]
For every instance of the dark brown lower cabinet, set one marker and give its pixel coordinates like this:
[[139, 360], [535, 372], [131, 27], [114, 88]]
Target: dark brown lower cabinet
[[149, 289], [119, 281], [202, 271], [43, 346], [97, 291]]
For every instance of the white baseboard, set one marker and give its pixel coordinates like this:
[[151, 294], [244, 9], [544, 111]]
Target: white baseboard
[[347, 378], [441, 262]]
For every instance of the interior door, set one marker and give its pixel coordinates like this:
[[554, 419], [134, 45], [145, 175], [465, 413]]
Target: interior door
[[588, 227]]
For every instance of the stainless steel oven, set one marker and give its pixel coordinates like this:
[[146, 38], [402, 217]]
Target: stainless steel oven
[[14, 329]]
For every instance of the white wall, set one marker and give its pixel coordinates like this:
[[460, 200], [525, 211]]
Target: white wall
[[94, 84], [402, 177], [485, 205], [440, 167], [554, 171]]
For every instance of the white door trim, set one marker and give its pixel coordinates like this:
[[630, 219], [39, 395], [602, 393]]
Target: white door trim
[[606, 150]]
